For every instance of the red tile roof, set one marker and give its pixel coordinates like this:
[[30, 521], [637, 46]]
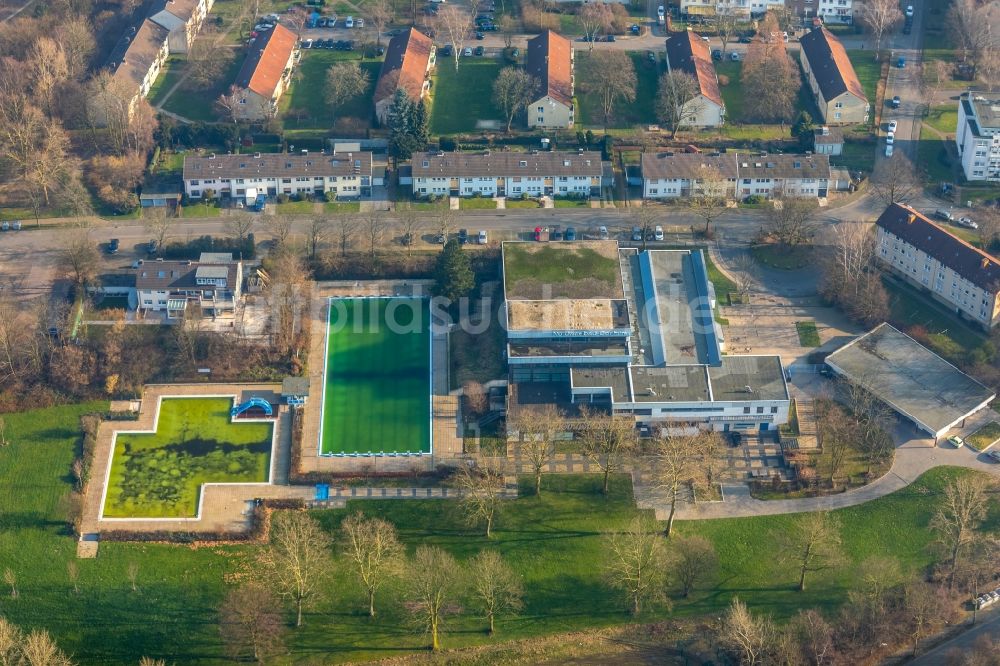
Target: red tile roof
[[830, 65], [687, 52], [550, 60], [266, 61], [405, 65]]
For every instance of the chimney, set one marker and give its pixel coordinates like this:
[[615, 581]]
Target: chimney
[[826, 131], [985, 262], [911, 218]]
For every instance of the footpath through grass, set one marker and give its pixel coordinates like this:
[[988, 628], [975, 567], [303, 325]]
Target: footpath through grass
[[555, 542]]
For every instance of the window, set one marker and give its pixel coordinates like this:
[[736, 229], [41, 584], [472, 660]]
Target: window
[[774, 410], [746, 410], [760, 410], [541, 109]]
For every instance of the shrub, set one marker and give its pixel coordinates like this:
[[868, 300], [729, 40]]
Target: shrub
[[282, 198], [447, 144]]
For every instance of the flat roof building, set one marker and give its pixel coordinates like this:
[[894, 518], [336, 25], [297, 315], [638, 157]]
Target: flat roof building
[[977, 135], [917, 383]]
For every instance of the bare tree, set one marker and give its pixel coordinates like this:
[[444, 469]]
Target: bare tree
[[240, 225], [876, 579], [229, 103], [675, 463], [791, 221], [925, 608], [895, 179], [745, 634], [297, 558], [206, 63], [149, 661], [594, 17], [872, 419], [476, 400], [728, 20], [508, 26], [456, 23], [613, 79], [692, 560], [38, 648], [375, 226], [434, 580], [537, 430], [972, 23], [410, 226], [157, 223], [345, 81], [608, 440], [382, 13], [374, 550], [317, 232], [495, 586], [709, 197], [482, 487], [960, 511], [345, 228], [744, 271], [250, 622], [814, 544], [513, 90], [988, 219], [635, 563], [975, 575], [643, 218], [80, 258], [770, 72], [879, 17], [280, 227], [677, 101], [813, 636], [49, 69]]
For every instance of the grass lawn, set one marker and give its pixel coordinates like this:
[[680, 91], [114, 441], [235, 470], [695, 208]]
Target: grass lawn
[[341, 207], [377, 392], [555, 542], [477, 203], [570, 203], [160, 474], [782, 257], [857, 156], [440, 204], [943, 118], [732, 92], [640, 112], [564, 269], [808, 335], [869, 72], [983, 438], [170, 74], [464, 97], [933, 157], [200, 210], [948, 336], [199, 104], [478, 356], [294, 208], [305, 105], [723, 285], [521, 203]]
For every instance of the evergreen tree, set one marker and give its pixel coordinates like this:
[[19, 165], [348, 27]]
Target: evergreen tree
[[453, 272], [401, 144], [421, 125], [802, 129]]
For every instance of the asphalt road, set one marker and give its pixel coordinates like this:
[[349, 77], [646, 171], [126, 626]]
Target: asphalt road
[[988, 625], [905, 83]]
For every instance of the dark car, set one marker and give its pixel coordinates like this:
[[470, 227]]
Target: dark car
[[480, 35], [895, 102], [716, 54], [329, 44], [463, 236], [556, 233], [152, 246], [746, 39], [570, 234], [113, 246], [635, 29], [446, 50], [908, 28], [479, 51]]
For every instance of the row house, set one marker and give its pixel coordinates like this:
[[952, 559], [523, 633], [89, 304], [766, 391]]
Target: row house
[[265, 74], [347, 175], [676, 175], [134, 65], [953, 272], [977, 135], [508, 174]]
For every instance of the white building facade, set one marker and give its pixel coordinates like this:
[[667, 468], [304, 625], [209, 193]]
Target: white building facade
[[347, 175], [977, 135], [507, 174]]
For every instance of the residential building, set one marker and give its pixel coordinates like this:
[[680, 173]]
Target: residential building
[[182, 19], [508, 174], [265, 74], [963, 277], [641, 342], [549, 58], [347, 175], [836, 11], [214, 284], [408, 61], [977, 135], [688, 53], [134, 65], [672, 175], [828, 141], [709, 8], [839, 96]]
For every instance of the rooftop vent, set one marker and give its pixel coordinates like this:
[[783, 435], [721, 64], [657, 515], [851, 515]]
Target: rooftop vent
[[212, 156], [986, 262], [256, 156], [911, 218]]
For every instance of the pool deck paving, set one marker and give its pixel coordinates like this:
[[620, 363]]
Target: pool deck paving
[[225, 507]]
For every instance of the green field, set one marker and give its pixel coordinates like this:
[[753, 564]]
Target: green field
[[377, 393], [808, 335], [983, 438], [305, 105], [554, 541], [160, 475], [566, 271], [464, 97], [640, 112]]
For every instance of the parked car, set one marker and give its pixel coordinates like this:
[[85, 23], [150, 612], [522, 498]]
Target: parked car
[[994, 455], [908, 28], [735, 56], [5, 226], [634, 29], [349, 23], [359, 23], [636, 233], [16, 225], [556, 233], [463, 236], [307, 43], [446, 50], [570, 233], [966, 222], [896, 101], [479, 51], [651, 56], [944, 214], [480, 35], [602, 233], [890, 138], [893, 125], [516, 53], [467, 52], [611, 38], [956, 441], [888, 150], [483, 239], [901, 62], [705, 39], [658, 233], [746, 39], [909, 10], [112, 246], [716, 54]]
